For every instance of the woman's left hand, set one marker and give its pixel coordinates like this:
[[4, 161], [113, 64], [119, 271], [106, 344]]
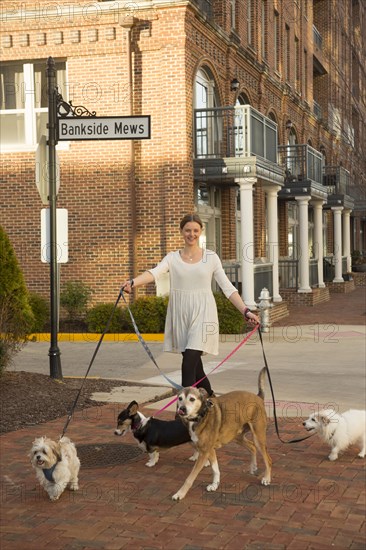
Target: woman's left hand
[[251, 317]]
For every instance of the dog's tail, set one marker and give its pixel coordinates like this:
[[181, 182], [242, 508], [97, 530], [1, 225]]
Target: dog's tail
[[261, 377]]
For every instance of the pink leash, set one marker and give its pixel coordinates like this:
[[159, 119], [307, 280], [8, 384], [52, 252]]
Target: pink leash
[[217, 366]]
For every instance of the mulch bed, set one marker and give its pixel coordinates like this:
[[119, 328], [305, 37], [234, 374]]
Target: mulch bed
[[28, 399]]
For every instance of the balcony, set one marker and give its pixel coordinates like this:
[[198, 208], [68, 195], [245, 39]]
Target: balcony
[[303, 172], [205, 7], [318, 56], [317, 110], [339, 186], [234, 142]]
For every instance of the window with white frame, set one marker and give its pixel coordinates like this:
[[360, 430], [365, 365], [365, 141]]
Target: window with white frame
[[24, 101], [208, 125], [208, 204]]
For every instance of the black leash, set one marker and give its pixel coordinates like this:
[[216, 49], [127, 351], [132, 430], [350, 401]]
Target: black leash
[[273, 399], [90, 364], [145, 346]]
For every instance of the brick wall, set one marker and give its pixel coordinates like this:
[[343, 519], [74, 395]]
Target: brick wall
[[98, 183]]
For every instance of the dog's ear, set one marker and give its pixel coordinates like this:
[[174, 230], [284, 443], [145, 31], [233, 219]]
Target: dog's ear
[[133, 407], [56, 449], [324, 419], [203, 393], [210, 403]]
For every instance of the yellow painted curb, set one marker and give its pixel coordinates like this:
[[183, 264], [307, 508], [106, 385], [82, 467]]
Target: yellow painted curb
[[92, 337]]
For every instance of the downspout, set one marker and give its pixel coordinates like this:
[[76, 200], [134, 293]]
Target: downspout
[[127, 23]]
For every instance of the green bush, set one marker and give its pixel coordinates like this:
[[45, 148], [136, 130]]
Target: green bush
[[149, 313], [74, 298], [41, 311], [16, 316], [97, 318], [231, 320]]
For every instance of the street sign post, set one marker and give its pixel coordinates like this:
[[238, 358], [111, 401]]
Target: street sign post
[[69, 123]]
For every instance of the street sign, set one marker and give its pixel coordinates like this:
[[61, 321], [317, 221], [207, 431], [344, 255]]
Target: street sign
[[62, 245], [91, 128], [42, 169]]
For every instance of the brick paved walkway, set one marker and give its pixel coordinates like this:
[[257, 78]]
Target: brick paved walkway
[[341, 309], [312, 503]]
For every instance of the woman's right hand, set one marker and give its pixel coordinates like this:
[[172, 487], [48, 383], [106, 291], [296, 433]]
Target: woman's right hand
[[127, 286]]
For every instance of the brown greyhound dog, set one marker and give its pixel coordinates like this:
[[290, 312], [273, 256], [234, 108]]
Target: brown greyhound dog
[[216, 421]]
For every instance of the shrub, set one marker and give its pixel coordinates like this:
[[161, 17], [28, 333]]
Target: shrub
[[149, 313], [97, 318], [231, 320], [41, 311], [16, 316], [74, 298]]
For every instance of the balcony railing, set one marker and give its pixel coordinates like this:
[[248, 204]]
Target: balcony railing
[[205, 7], [317, 37], [234, 132], [317, 109], [289, 273], [337, 180], [301, 162]]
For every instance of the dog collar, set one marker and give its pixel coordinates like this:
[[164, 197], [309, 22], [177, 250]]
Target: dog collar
[[137, 427], [48, 472]]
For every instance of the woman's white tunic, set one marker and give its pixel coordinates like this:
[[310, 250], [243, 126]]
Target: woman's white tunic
[[192, 321]]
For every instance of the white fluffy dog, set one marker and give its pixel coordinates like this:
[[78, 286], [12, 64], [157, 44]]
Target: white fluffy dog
[[339, 430], [56, 464]]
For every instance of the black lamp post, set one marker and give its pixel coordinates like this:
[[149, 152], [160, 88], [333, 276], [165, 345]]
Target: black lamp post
[[54, 351]]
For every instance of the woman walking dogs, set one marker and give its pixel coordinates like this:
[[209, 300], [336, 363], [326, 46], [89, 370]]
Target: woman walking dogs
[[191, 326]]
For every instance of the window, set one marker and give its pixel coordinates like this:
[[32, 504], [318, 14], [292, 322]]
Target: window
[[208, 131], [297, 64], [264, 29], [233, 14], [276, 41], [208, 203], [305, 79], [286, 53], [24, 101], [293, 231], [249, 22]]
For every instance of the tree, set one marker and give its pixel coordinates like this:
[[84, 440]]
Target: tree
[[16, 316]]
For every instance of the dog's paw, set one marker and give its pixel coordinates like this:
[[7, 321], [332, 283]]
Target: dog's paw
[[150, 464], [212, 487], [178, 496], [74, 486], [54, 497], [265, 481], [332, 457], [253, 469]]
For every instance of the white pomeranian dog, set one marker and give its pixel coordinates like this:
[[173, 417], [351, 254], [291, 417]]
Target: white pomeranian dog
[[339, 430]]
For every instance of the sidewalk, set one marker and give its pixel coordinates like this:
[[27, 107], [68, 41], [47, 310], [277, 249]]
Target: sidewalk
[[312, 503]]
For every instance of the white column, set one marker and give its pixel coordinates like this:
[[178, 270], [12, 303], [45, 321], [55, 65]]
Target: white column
[[318, 238], [303, 203], [247, 239], [337, 220], [347, 238], [272, 214]]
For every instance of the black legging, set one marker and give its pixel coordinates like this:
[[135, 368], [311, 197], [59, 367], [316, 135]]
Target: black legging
[[192, 370]]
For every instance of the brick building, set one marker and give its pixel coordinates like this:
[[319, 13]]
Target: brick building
[[257, 122]]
